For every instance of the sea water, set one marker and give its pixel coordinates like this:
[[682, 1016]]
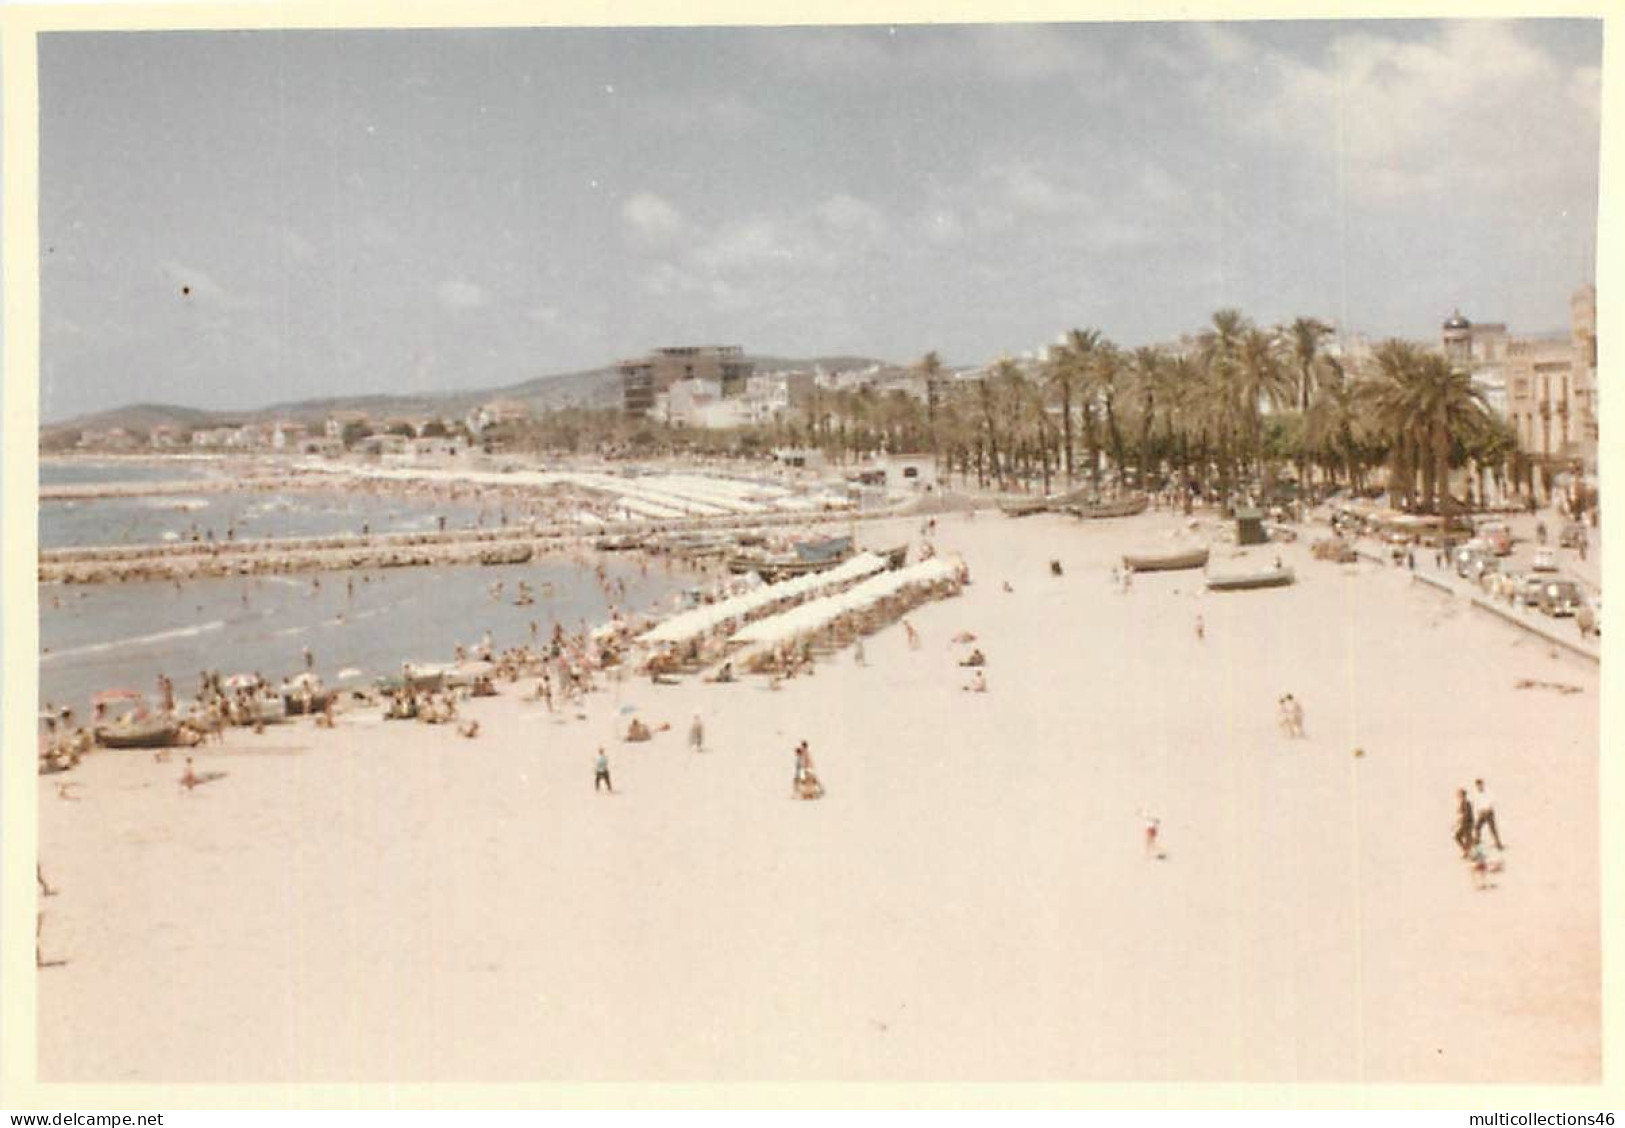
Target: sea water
[[250, 515], [122, 636]]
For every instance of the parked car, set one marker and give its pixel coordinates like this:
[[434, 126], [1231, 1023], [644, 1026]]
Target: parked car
[[1472, 563], [1559, 597], [1528, 590], [1571, 536], [1498, 536], [1545, 560]]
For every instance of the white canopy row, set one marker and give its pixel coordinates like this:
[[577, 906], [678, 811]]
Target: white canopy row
[[667, 492], [702, 620], [814, 616]]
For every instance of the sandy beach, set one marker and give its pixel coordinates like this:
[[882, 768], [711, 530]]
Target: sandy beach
[[971, 900]]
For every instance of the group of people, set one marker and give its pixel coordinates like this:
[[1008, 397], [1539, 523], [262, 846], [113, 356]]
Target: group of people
[[1475, 813]]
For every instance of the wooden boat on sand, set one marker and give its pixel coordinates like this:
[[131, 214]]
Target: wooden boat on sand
[[1025, 507], [1247, 581], [1166, 561], [1125, 507], [154, 732]]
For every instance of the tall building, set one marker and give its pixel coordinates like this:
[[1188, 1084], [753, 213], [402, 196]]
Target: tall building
[[1480, 351], [1552, 389], [644, 379]]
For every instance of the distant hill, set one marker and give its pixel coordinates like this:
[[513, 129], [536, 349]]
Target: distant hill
[[592, 388]]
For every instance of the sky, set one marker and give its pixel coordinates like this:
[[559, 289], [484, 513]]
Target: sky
[[233, 219]]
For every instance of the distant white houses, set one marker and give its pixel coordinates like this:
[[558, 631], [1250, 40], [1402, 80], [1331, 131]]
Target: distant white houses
[[336, 422], [287, 436], [165, 436], [113, 439], [386, 445], [496, 412], [211, 438]]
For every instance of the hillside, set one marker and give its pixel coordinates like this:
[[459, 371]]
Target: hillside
[[593, 388]]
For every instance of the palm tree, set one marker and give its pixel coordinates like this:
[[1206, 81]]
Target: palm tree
[[1105, 382], [1151, 381], [1068, 376], [929, 367], [1426, 407], [1263, 381], [1304, 338], [1337, 423], [1219, 349]]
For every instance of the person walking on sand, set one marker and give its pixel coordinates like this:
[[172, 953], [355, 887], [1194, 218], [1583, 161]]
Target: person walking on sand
[[803, 765], [1152, 825], [913, 635], [857, 653], [696, 734], [1484, 805], [1294, 716], [601, 770], [1201, 629], [1464, 822]]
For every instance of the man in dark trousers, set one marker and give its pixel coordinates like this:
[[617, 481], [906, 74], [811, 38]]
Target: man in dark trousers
[[602, 775], [1484, 802], [1465, 836]]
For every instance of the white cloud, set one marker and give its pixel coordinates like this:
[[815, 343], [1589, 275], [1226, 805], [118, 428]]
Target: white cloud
[[1476, 112], [459, 293], [651, 217], [848, 216]]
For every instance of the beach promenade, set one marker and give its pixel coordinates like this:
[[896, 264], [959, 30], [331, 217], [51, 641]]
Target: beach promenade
[[970, 901]]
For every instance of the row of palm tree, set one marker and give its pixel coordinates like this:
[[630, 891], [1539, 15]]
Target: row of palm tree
[[1237, 407], [1232, 409]]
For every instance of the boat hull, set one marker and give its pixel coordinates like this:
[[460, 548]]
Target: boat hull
[[144, 736], [1130, 507], [1167, 562], [1276, 577]]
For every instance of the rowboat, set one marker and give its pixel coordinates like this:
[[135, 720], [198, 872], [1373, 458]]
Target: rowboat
[[154, 732], [1167, 561], [773, 568], [1024, 508], [809, 556], [1246, 581], [1127, 507]]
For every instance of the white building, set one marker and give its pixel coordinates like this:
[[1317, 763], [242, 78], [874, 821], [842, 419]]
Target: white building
[[687, 399], [287, 436], [495, 412]]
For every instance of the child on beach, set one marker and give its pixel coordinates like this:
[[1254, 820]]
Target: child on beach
[[1152, 825], [696, 734]]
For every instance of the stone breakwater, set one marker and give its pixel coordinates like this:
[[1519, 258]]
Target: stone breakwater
[[94, 491], [510, 545]]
